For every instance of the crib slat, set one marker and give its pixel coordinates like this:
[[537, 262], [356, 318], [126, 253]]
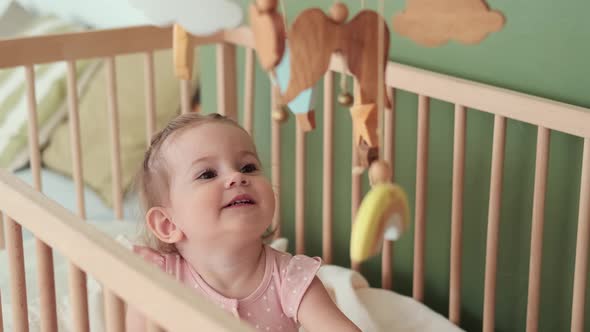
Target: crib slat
[[276, 161], [356, 176], [457, 215], [389, 132], [185, 96], [299, 189], [18, 288], [581, 267], [150, 96], [388, 155], [249, 91], [76, 151], [226, 80], [537, 229], [494, 222], [78, 290], [421, 187], [380, 78], [45, 275], [79, 298], [387, 265], [328, 168], [115, 144], [33, 131], [355, 181], [115, 312], [355, 193]]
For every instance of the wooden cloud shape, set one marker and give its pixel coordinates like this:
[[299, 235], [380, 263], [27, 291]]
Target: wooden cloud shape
[[313, 38], [198, 17], [435, 22]]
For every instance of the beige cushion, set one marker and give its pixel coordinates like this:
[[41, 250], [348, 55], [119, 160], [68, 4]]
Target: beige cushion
[[95, 128]]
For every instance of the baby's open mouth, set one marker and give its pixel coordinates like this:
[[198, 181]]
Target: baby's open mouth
[[240, 200]]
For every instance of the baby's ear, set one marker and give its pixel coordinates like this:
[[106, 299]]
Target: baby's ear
[[159, 222]]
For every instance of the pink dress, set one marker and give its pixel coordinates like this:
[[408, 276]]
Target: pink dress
[[273, 306]]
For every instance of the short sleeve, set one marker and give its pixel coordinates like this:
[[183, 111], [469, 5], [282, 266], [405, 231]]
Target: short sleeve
[[297, 275]]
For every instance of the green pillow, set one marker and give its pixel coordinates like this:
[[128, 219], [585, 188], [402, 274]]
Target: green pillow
[[95, 128], [50, 92]]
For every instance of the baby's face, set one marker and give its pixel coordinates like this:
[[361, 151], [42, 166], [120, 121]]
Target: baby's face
[[217, 189]]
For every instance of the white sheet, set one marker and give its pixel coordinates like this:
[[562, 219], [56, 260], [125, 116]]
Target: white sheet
[[379, 310]]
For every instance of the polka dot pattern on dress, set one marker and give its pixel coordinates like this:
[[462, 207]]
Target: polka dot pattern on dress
[[273, 306], [300, 270]]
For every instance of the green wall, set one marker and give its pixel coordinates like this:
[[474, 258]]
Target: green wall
[[543, 50]]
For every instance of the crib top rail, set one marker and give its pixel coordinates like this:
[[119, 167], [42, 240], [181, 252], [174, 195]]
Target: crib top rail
[[538, 111], [67, 233], [103, 43], [543, 112]]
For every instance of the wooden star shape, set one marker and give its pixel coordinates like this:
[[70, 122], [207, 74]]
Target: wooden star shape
[[364, 122], [306, 120]]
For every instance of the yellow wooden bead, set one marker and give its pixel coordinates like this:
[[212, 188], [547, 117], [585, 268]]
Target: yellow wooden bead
[[266, 5], [339, 12], [379, 172]]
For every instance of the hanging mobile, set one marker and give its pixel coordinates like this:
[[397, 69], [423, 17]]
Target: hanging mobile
[[344, 98], [278, 113], [270, 29], [339, 14]]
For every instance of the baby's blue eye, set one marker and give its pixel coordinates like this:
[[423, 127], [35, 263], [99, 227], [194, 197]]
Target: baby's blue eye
[[208, 174], [249, 168]]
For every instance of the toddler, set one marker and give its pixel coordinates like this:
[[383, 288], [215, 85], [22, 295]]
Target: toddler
[[208, 208]]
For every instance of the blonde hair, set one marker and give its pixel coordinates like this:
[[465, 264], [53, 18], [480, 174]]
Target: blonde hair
[[152, 180]]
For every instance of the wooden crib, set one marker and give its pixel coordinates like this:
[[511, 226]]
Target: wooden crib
[[97, 255]]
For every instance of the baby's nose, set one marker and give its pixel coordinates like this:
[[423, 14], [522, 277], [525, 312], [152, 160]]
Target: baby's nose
[[237, 178]]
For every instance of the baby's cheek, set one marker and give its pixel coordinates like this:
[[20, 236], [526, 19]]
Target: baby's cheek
[[269, 197]]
